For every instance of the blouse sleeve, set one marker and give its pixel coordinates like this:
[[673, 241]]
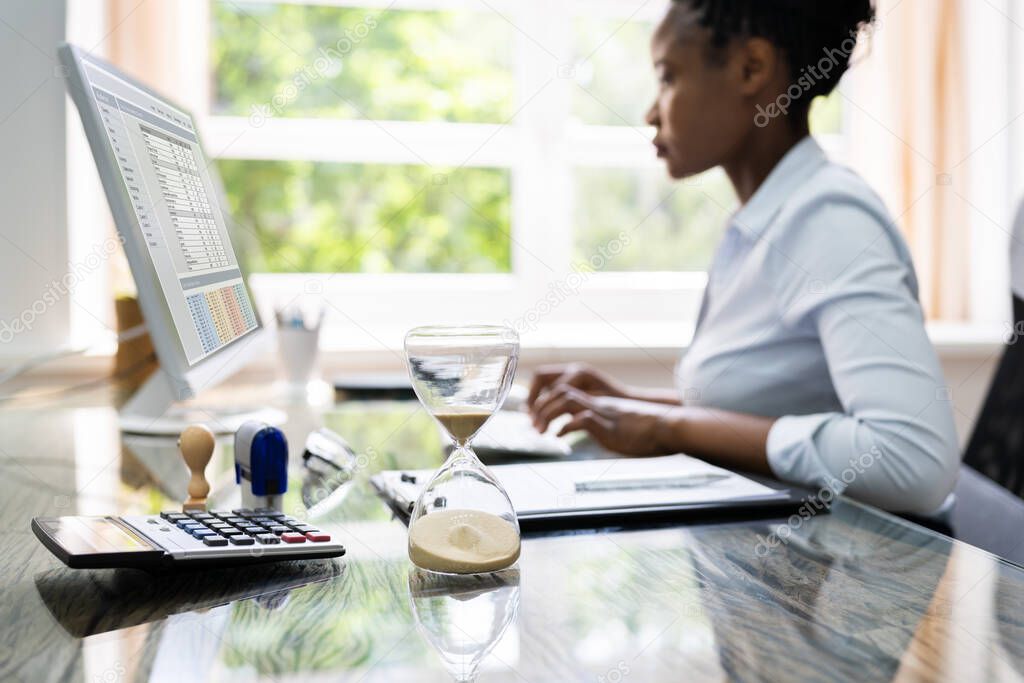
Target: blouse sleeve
[[894, 445]]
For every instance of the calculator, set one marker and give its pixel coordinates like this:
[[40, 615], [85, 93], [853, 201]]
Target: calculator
[[183, 539]]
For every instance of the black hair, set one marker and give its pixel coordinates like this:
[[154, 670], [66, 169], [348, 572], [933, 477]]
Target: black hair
[[806, 31]]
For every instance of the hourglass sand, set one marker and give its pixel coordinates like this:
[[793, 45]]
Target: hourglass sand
[[463, 522]]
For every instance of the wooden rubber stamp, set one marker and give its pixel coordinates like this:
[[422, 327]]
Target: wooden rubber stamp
[[196, 444]]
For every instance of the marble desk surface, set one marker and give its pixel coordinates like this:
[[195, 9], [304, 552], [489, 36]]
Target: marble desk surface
[[852, 595]]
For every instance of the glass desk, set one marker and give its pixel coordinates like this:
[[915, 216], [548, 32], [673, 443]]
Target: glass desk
[[855, 594]]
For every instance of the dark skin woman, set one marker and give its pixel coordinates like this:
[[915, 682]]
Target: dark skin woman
[[736, 80], [704, 118]]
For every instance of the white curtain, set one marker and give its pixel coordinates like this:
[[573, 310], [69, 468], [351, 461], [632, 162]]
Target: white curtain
[[909, 136]]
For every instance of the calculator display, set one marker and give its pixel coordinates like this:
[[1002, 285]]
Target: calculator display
[[88, 535]]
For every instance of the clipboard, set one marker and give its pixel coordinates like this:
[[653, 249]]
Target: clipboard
[[541, 494]]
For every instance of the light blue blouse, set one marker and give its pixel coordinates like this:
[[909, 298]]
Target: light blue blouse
[[811, 316]]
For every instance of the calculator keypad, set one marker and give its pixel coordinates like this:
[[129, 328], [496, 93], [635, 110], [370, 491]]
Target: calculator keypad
[[245, 527], [239, 532]]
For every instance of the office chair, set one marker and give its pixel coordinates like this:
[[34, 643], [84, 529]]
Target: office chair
[[989, 510], [990, 490], [996, 447]]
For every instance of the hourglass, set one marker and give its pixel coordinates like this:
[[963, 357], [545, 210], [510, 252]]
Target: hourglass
[[463, 521]]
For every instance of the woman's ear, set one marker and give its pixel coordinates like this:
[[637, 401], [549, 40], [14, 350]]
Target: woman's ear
[[757, 64]]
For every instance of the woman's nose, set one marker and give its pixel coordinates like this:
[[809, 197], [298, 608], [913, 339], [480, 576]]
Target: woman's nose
[[652, 115]]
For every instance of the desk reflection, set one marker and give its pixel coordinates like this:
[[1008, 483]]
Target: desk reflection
[[833, 603], [464, 617], [87, 603]]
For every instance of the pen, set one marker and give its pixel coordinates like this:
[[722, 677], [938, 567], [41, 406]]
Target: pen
[[633, 483]]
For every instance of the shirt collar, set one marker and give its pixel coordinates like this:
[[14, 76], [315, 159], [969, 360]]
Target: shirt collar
[[798, 164]]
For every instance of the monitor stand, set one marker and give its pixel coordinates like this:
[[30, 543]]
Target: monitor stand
[[151, 410]]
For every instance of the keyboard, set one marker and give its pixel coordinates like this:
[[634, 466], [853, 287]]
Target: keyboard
[[511, 432], [179, 539]]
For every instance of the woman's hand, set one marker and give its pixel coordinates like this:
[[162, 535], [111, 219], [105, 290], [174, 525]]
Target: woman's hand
[[550, 379], [633, 427], [622, 425], [581, 376]]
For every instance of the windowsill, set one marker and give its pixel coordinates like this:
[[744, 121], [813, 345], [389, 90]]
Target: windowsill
[[967, 340], [635, 343], [950, 339]]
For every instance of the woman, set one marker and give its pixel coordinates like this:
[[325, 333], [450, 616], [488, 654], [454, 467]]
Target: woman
[[810, 361]]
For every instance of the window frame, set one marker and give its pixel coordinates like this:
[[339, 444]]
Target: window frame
[[540, 148]]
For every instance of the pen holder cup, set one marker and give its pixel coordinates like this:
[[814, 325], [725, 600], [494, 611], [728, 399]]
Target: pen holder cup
[[298, 348]]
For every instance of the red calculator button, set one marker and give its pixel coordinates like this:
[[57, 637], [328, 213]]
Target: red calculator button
[[318, 536], [293, 538]]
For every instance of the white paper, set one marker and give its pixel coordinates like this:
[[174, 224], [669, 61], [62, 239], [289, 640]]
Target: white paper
[[551, 486], [535, 488]]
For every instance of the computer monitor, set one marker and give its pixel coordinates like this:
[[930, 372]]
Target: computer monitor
[[164, 195]]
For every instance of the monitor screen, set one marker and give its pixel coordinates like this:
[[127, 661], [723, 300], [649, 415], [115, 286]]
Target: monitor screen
[[167, 177]]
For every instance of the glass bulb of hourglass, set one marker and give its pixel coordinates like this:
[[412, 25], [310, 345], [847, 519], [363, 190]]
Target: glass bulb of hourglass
[[463, 521]]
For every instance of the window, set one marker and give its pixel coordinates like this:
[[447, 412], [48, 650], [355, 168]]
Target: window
[[444, 153], [386, 64], [415, 161], [324, 217]]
